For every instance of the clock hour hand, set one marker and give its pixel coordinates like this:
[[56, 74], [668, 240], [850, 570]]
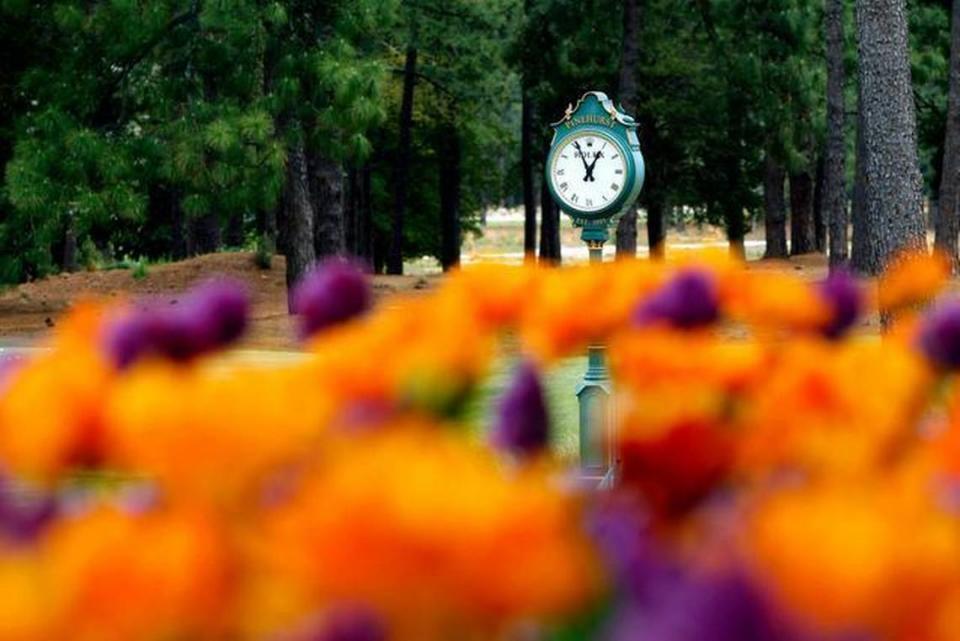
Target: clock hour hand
[[583, 159], [589, 175]]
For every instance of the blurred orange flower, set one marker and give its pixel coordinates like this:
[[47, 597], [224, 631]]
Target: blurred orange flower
[[50, 411], [911, 279], [434, 533]]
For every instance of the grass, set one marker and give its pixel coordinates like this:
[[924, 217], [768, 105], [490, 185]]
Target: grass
[[560, 382]]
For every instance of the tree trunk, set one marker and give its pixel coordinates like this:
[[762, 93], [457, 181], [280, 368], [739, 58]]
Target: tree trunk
[[178, 227], [351, 209], [774, 208], [626, 238], [204, 237], [401, 167], [802, 239], [549, 227], [326, 182], [163, 206], [948, 224], [819, 225], [233, 234], [526, 175], [450, 200], [655, 231], [858, 214], [365, 232], [834, 204], [70, 245], [298, 219], [892, 176], [736, 231]]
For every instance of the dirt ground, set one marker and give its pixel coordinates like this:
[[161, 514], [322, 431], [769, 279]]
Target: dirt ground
[[30, 310]]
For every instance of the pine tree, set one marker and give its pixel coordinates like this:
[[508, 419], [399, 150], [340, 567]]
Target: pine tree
[[948, 223], [892, 185]]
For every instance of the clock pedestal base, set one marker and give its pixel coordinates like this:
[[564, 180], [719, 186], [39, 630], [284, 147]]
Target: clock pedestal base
[[597, 460]]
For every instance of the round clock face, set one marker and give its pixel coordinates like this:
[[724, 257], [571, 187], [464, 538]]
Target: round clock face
[[588, 171]]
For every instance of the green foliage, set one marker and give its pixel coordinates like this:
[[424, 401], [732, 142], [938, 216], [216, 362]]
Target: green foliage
[[139, 269], [128, 121]]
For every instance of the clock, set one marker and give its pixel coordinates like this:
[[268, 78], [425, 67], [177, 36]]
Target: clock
[[594, 169], [588, 172]]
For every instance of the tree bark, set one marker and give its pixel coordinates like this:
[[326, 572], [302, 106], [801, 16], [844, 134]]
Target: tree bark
[[774, 208], [656, 235], [351, 209], [626, 238], [233, 234], [366, 230], [450, 199], [947, 222], [549, 227], [526, 175], [893, 184], [298, 219], [834, 204], [819, 225], [858, 213], [326, 182], [802, 239], [401, 167], [204, 237], [70, 245]]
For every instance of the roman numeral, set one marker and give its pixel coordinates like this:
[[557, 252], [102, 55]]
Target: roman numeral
[[588, 202], [574, 198], [615, 187], [618, 171], [563, 186], [614, 156], [561, 172], [564, 156], [604, 197]]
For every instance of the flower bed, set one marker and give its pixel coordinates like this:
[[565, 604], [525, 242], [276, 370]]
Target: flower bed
[[793, 483]]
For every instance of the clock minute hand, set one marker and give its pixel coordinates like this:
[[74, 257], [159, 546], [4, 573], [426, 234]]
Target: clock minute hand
[[592, 165], [583, 159]]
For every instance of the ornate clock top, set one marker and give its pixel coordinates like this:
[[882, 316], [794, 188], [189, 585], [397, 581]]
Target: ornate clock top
[[594, 170]]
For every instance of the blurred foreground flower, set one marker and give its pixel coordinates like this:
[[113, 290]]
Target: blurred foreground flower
[[210, 317], [780, 479], [332, 292], [522, 426], [690, 299]]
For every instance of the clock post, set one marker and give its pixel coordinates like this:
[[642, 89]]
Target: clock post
[[595, 171]]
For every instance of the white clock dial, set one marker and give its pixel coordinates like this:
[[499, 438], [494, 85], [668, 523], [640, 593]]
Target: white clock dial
[[588, 172]]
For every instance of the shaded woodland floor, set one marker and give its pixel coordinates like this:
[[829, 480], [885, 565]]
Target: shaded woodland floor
[[30, 310]]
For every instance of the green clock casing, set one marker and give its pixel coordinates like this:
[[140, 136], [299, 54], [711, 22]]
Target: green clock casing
[[595, 169]]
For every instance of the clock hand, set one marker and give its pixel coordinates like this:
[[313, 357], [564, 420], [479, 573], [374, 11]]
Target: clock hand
[[592, 165], [583, 159]]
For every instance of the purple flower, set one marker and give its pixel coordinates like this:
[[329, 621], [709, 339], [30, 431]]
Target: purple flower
[[843, 296], [720, 608], [219, 310], [10, 364], [689, 300], [620, 526], [139, 498], [210, 317], [332, 292], [24, 510], [939, 335], [343, 623], [130, 337], [522, 425]]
